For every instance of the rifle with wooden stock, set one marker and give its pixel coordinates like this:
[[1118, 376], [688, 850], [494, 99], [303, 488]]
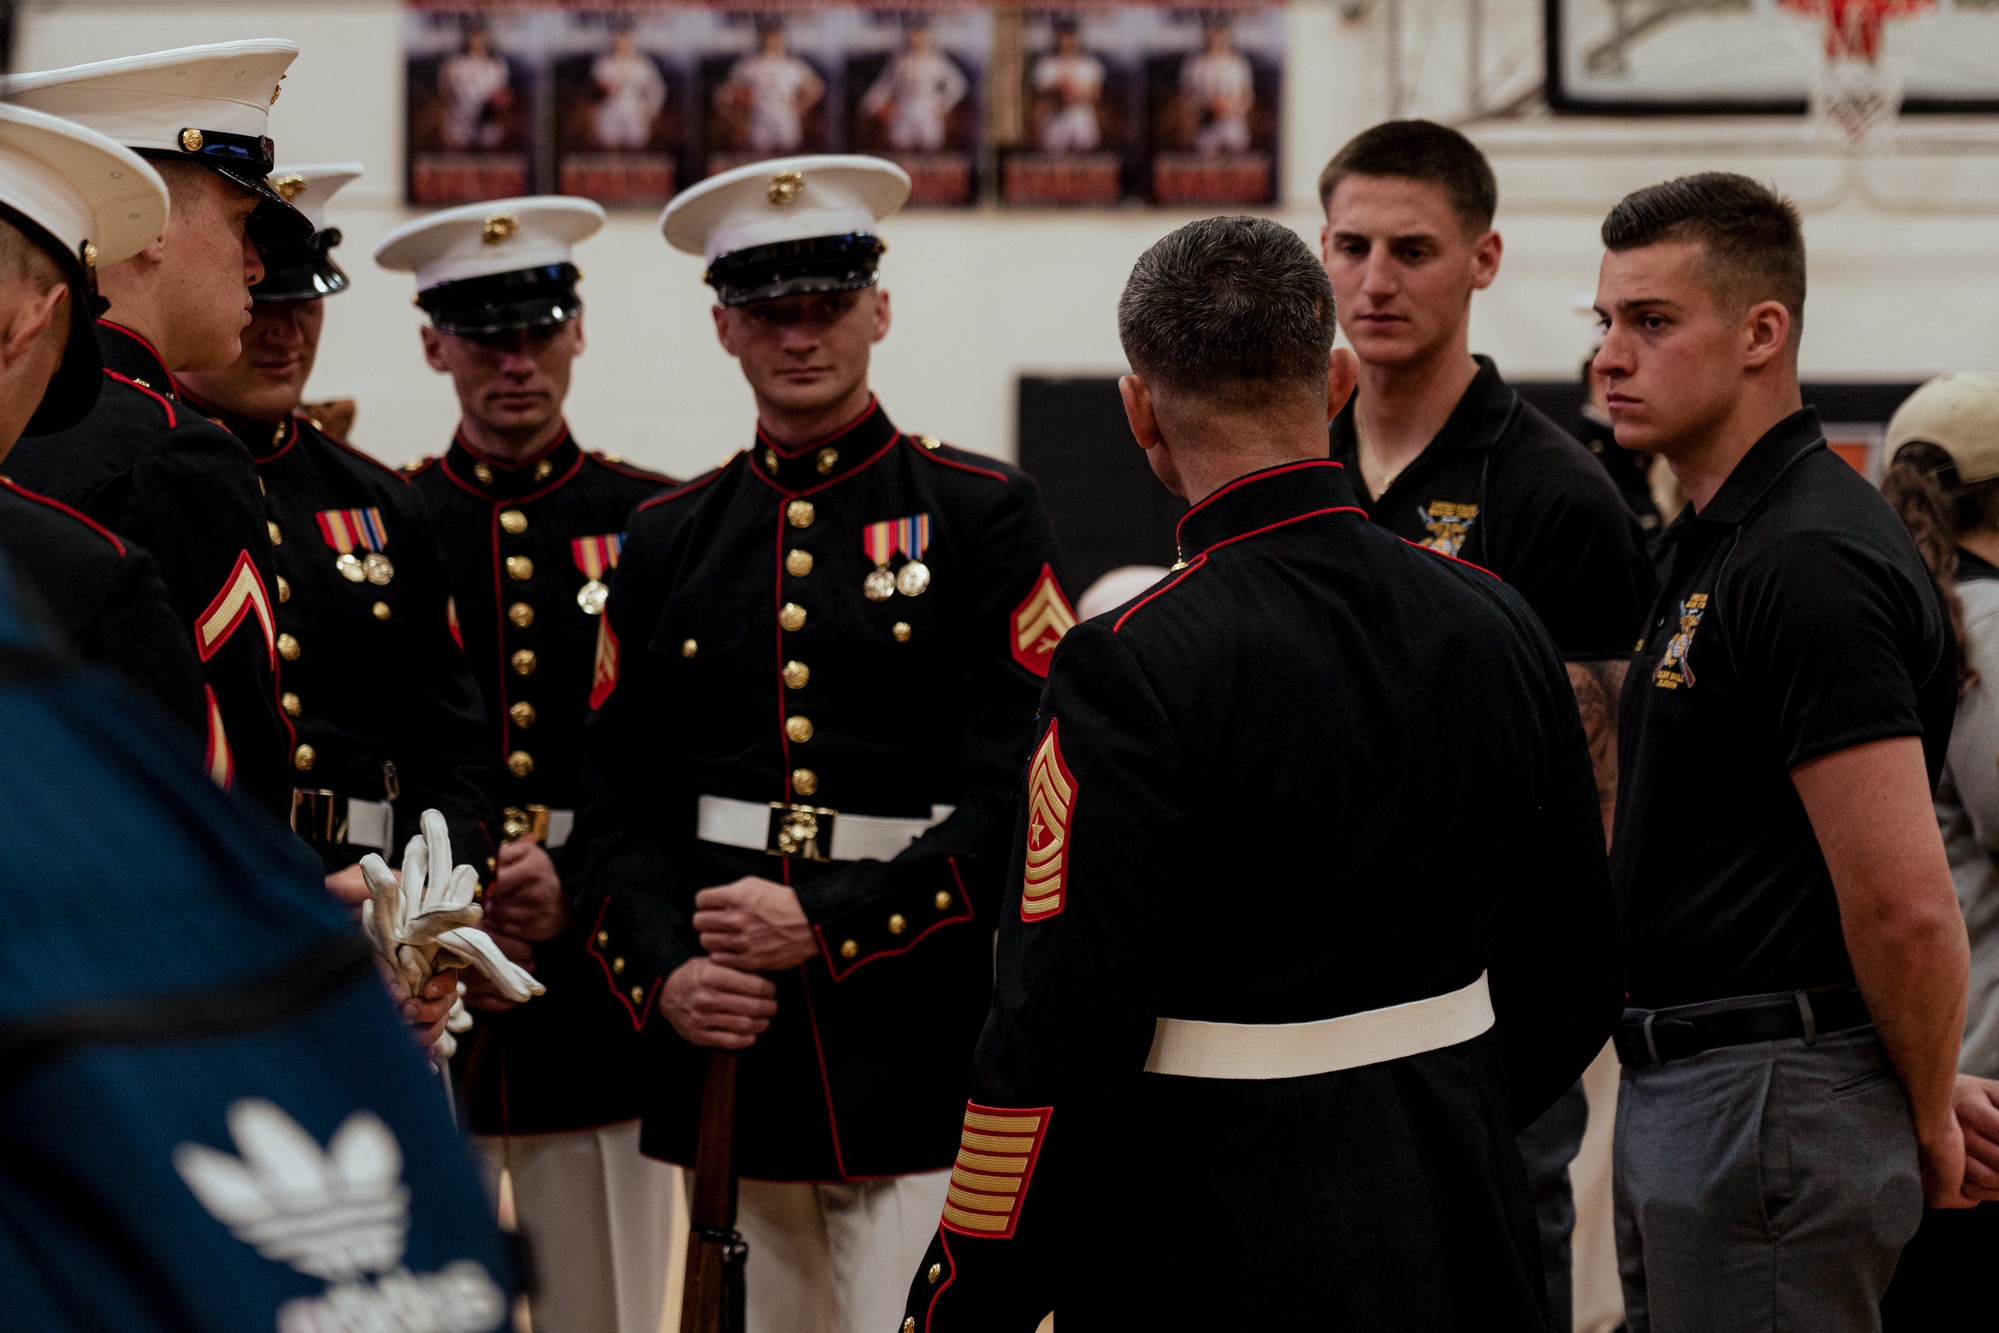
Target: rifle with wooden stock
[[713, 1293]]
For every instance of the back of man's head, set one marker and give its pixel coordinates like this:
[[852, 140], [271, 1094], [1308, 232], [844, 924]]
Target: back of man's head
[[1752, 242], [1230, 310], [1420, 150], [24, 260]]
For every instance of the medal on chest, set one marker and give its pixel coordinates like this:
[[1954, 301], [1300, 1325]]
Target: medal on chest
[[349, 530], [596, 557], [908, 537]]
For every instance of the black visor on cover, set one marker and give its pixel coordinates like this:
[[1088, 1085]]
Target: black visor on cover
[[795, 268], [300, 271], [529, 298]]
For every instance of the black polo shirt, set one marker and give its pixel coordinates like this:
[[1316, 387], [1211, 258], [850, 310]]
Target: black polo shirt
[[1795, 620], [1504, 487]]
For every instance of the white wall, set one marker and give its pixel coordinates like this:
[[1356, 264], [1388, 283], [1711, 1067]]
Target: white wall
[[1905, 251]]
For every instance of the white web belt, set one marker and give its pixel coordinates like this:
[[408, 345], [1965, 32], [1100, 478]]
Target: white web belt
[[769, 827], [1193, 1049]]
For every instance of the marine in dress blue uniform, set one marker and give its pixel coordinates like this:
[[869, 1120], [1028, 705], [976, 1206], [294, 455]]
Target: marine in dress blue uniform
[[141, 464], [827, 654], [551, 1087], [361, 583]]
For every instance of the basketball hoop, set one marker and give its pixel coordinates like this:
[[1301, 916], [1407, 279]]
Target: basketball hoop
[[1856, 89]]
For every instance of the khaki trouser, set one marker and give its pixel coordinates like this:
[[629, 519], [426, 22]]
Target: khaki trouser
[[594, 1215], [835, 1258]]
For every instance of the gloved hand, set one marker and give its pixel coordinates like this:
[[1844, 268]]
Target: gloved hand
[[459, 1020], [431, 912]]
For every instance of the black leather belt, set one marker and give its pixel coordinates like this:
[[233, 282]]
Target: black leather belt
[[1655, 1036]]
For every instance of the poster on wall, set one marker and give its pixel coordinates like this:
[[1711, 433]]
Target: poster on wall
[[629, 101], [470, 90], [1175, 106], [1660, 57]]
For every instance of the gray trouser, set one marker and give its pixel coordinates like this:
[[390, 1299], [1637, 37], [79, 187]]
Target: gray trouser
[[1547, 1147], [1764, 1187]]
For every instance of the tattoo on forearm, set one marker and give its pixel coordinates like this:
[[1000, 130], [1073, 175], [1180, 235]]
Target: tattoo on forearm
[[1597, 685]]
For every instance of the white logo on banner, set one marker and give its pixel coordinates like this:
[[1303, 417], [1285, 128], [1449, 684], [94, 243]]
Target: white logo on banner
[[341, 1215]]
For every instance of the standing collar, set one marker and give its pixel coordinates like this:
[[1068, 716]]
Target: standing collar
[[497, 479], [131, 356], [1473, 424], [265, 440], [802, 467], [1767, 460], [1264, 499]]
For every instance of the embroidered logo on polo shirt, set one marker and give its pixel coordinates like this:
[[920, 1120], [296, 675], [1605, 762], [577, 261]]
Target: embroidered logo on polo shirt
[[1448, 524], [1051, 800], [995, 1159], [1674, 668]]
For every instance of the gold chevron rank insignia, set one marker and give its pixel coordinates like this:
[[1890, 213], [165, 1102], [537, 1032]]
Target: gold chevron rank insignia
[[1040, 622], [1051, 800], [242, 596], [995, 1158]]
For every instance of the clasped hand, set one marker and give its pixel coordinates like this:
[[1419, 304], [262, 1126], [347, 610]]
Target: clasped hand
[[753, 925]]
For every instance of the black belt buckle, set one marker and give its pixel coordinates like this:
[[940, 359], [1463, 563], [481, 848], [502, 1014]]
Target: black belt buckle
[[319, 817], [803, 832]]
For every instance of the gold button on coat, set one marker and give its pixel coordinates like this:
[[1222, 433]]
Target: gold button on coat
[[603, 938], [521, 714], [542, 469], [519, 568], [798, 729], [291, 704], [797, 563], [520, 763], [936, 1271], [617, 967], [901, 631], [284, 589], [688, 647], [288, 647], [848, 948], [382, 611], [514, 521], [796, 674], [826, 460], [799, 513], [770, 460], [909, 1324], [897, 923], [943, 900], [277, 537], [304, 758], [791, 617], [804, 781], [482, 474], [520, 615], [638, 995], [522, 662]]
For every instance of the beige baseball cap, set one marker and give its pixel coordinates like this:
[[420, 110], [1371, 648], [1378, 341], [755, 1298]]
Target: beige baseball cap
[[1959, 413]]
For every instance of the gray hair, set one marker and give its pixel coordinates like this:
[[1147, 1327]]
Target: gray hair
[[1228, 309]]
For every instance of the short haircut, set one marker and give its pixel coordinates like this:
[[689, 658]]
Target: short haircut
[[186, 182], [1752, 242], [24, 259], [1227, 309], [1420, 150]]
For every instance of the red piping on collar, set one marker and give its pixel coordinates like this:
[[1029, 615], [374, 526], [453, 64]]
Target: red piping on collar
[[1431, 550], [1202, 557], [853, 471], [173, 418], [823, 440], [1244, 480], [58, 505], [553, 482], [151, 350]]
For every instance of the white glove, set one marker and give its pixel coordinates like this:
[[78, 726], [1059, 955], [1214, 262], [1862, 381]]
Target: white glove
[[431, 912], [457, 1021]]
